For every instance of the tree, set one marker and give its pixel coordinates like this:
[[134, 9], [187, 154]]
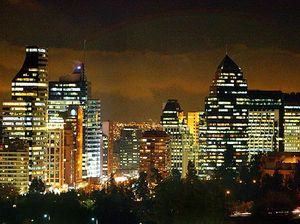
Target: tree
[[297, 176], [191, 175], [226, 171], [244, 174], [179, 201], [154, 176], [229, 161], [175, 175], [277, 181], [255, 167], [112, 185], [8, 191], [141, 187], [272, 183], [37, 186], [271, 202]]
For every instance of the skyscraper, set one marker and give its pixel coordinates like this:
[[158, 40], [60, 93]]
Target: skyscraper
[[25, 116], [155, 152], [265, 116], [291, 125], [74, 89], [107, 147], [93, 135], [181, 143], [71, 87], [129, 150], [54, 158], [73, 146], [226, 116], [193, 123]]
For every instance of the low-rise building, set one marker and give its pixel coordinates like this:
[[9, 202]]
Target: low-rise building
[[14, 160]]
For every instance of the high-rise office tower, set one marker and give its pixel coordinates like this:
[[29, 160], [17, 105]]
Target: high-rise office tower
[[129, 150], [104, 162], [181, 143], [25, 116], [226, 116], [265, 116], [108, 141], [92, 143], [74, 89], [54, 158], [291, 125], [193, 119], [71, 87], [202, 144], [193, 122], [155, 152], [73, 146]]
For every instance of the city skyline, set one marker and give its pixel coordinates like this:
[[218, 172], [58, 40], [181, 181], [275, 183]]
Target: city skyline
[[149, 111], [140, 56]]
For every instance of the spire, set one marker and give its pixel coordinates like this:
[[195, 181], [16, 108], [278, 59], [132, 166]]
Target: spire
[[84, 51], [228, 65]]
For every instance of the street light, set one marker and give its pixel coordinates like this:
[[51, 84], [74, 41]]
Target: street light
[[95, 220], [46, 216]]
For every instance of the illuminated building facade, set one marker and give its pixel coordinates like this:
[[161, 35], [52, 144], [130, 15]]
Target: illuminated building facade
[[181, 143], [92, 143], [74, 89], [155, 153], [54, 158], [112, 129], [14, 161], [105, 143], [193, 119], [202, 144], [265, 117], [129, 150], [193, 123], [226, 117], [291, 124], [73, 146], [108, 153], [25, 116]]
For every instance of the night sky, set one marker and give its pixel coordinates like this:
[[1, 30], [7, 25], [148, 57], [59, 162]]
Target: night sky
[[140, 53]]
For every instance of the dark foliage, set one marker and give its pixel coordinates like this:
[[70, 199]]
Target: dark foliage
[[37, 186], [153, 200]]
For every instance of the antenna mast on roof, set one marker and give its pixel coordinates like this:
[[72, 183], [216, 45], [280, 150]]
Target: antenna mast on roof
[[83, 60], [226, 50], [84, 51]]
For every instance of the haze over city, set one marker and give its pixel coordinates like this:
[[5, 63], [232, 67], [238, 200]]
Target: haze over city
[[140, 53]]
